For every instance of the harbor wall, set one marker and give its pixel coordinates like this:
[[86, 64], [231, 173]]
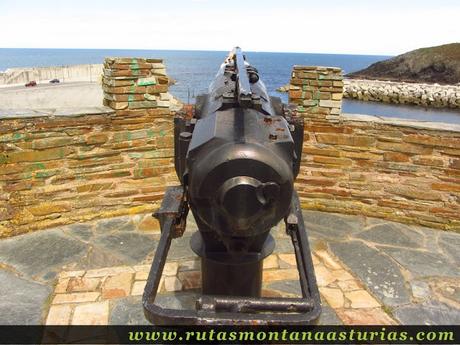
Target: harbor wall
[[72, 73]]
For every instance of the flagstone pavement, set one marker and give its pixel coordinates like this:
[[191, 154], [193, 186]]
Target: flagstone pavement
[[369, 271]]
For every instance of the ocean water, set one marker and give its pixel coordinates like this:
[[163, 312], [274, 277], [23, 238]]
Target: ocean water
[[194, 71]]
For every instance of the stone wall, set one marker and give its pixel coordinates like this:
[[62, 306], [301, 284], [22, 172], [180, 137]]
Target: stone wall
[[317, 91], [70, 166], [395, 169], [427, 95]]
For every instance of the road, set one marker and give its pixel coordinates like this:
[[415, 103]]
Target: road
[[45, 95]]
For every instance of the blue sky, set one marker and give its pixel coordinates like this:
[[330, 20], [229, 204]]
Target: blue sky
[[353, 26]]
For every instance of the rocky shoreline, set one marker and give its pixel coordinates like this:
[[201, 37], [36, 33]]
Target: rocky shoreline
[[427, 95]]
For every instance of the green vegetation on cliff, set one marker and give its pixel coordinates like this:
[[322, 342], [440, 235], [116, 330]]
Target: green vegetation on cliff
[[440, 64]]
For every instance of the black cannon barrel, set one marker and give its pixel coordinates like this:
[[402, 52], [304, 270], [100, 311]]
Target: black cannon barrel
[[238, 163], [237, 154]]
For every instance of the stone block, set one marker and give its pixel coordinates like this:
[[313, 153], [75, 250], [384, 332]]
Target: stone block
[[412, 192], [138, 288], [95, 139], [344, 139], [270, 262], [332, 160], [428, 140], [171, 268], [91, 314], [372, 316], [349, 285], [77, 297], [117, 286], [189, 265], [149, 224], [428, 161], [321, 151], [81, 284], [59, 315], [395, 157], [40, 144], [108, 271], [324, 276], [337, 97], [334, 297], [190, 279], [61, 286], [289, 259], [280, 274], [361, 299], [36, 156], [446, 187], [172, 284], [404, 148], [330, 104], [328, 260]]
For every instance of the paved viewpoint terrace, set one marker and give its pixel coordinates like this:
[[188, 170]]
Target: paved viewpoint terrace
[[370, 271]]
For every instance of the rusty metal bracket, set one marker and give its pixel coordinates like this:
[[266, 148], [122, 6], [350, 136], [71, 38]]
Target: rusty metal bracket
[[225, 310]]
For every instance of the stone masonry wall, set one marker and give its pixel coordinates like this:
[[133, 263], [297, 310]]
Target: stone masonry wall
[[395, 169], [67, 167], [317, 91]]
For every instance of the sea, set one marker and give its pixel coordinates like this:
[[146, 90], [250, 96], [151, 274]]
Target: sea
[[194, 71]]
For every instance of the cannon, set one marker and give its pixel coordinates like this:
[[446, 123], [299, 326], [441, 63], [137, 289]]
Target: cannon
[[237, 155]]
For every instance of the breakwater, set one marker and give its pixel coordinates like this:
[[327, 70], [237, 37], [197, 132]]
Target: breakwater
[[428, 95]]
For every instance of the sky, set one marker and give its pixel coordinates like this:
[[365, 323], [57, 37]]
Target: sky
[[387, 27]]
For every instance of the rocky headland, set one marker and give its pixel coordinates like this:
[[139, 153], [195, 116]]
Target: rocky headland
[[440, 64]]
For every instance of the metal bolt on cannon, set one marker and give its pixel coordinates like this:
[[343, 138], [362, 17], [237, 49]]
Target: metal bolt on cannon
[[237, 156]]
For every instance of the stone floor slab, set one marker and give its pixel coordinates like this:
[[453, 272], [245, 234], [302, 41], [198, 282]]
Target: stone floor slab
[[373, 250], [391, 234], [379, 273], [423, 264], [22, 302], [134, 247], [328, 316], [429, 313], [41, 252], [81, 231], [128, 311], [123, 223], [450, 244], [332, 225], [288, 286], [180, 249]]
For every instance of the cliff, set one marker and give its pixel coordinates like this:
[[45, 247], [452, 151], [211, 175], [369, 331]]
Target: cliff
[[440, 64]]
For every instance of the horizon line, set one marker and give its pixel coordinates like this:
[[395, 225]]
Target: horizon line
[[203, 50]]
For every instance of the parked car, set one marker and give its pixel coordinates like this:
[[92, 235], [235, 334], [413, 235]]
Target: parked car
[[54, 81], [31, 83]]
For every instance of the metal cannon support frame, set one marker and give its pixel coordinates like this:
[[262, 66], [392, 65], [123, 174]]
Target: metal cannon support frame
[[225, 310]]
